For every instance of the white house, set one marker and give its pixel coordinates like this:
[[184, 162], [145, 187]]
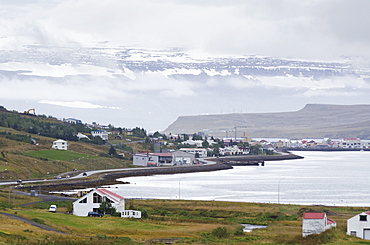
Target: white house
[[152, 159], [131, 214], [101, 133], [200, 151], [60, 145], [359, 225], [182, 158], [92, 200], [72, 121], [315, 223], [350, 143], [233, 150]]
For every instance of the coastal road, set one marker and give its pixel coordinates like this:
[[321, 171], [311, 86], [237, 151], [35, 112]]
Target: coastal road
[[92, 172]]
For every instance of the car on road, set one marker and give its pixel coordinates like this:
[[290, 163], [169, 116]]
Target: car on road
[[84, 174], [94, 214]]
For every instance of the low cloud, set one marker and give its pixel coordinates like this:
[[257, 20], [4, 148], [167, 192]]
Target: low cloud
[[76, 104]]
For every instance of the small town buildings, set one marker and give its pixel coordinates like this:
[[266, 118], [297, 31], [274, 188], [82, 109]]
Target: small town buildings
[[60, 145], [359, 225], [182, 158], [350, 143], [234, 150], [315, 223], [198, 152], [72, 121], [152, 159], [92, 201], [101, 133], [163, 159]]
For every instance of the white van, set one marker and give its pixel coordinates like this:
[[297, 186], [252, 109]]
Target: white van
[[53, 208]]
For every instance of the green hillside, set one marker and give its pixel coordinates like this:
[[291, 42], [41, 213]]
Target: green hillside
[[25, 148]]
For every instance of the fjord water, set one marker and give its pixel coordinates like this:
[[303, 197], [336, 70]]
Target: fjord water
[[321, 178]]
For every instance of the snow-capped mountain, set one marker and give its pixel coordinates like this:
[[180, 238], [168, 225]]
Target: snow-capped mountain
[[151, 87], [125, 62]]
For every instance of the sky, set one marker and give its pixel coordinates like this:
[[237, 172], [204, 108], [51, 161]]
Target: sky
[[329, 30]]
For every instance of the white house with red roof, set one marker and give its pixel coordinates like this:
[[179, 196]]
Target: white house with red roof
[[359, 225], [315, 223], [92, 200]]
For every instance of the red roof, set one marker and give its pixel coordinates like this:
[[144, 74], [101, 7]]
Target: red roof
[[330, 221], [314, 215], [111, 195], [367, 212]]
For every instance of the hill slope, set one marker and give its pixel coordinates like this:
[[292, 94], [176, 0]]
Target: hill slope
[[313, 121]]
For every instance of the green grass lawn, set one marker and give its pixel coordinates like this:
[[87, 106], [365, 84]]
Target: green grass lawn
[[55, 155]]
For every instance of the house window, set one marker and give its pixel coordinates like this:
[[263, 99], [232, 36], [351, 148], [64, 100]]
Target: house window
[[97, 198], [83, 200], [108, 200], [353, 233], [363, 217]]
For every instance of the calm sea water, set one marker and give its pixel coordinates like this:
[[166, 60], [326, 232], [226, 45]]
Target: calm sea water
[[327, 178]]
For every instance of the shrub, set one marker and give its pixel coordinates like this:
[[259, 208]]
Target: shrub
[[37, 220], [220, 232], [4, 205]]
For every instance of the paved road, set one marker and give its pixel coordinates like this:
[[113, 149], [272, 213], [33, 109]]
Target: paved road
[[78, 176], [33, 223], [44, 198], [91, 172]]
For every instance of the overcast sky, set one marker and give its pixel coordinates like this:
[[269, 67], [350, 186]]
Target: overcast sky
[[289, 28], [304, 29]]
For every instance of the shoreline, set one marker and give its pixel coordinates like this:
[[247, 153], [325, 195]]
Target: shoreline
[[111, 178]]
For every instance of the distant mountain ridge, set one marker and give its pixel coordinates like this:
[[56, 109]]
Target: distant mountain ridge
[[313, 121]]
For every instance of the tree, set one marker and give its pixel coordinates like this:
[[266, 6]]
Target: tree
[[197, 137], [255, 149], [112, 152], [205, 144], [107, 208], [157, 134]]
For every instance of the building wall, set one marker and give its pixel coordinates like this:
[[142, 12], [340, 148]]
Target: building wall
[[200, 151], [355, 225], [313, 226], [140, 160], [131, 214], [82, 209], [102, 134], [60, 145]]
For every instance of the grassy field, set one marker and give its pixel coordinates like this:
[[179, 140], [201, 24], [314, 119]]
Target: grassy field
[[179, 221], [20, 160], [58, 155]]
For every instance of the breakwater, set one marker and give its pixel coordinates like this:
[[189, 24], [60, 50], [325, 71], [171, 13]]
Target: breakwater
[[255, 160], [111, 178], [222, 163]]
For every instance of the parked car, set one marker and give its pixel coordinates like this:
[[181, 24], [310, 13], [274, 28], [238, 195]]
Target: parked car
[[53, 208], [94, 214]]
